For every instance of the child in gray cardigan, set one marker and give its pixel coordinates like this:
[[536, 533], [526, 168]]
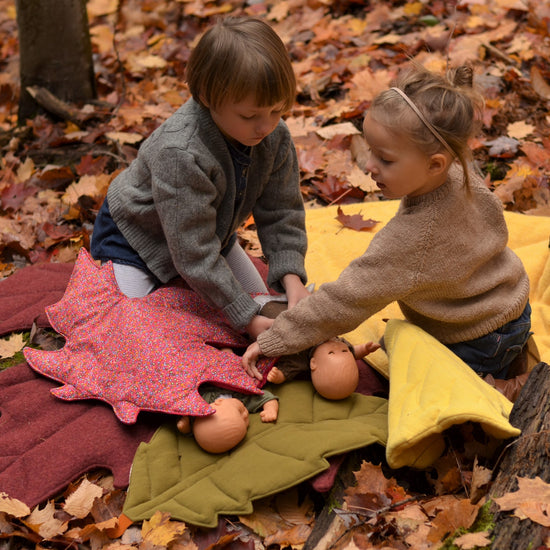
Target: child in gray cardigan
[[226, 153]]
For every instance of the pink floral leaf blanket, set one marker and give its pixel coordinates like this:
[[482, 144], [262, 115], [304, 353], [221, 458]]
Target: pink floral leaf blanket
[[138, 354]]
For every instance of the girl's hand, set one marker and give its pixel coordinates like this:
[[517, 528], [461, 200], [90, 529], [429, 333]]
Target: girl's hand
[[249, 360], [257, 325], [360, 350], [294, 289]]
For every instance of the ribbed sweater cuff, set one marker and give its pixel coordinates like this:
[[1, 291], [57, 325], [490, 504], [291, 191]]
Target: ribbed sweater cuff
[[240, 312], [270, 344]]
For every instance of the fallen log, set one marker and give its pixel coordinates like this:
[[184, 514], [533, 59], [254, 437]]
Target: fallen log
[[527, 456]]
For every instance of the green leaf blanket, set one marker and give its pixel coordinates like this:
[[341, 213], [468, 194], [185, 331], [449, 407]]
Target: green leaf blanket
[[173, 474]]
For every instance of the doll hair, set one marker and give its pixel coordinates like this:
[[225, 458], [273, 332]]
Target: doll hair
[[437, 112], [237, 57]]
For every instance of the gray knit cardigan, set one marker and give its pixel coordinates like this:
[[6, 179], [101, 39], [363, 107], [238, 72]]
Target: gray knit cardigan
[[175, 204]]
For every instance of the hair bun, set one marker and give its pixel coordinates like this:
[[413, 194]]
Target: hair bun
[[463, 76]]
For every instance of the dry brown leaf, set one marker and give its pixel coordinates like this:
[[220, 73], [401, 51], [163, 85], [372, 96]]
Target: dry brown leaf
[[13, 507], [160, 531], [293, 511], [294, 536], [447, 479], [26, 170], [342, 129], [90, 186], [520, 129], [11, 345], [419, 539], [44, 521], [79, 504], [355, 221], [481, 478], [531, 500], [102, 37], [539, 84], [366, 84], [473, 540], [459, 514], [363, 181], [125, 137], [264, 521], [97, 8], [301, 126]]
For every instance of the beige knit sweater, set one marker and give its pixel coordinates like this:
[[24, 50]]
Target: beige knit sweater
[[443, 257]]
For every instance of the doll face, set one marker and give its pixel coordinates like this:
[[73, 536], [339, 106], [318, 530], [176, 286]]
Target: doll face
[[334, 371]]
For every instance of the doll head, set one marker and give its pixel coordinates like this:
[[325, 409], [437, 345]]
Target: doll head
[[223, 430], [334, 371]]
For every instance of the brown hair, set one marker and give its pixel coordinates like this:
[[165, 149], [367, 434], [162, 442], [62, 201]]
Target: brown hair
[[448, 102], [239, 56]]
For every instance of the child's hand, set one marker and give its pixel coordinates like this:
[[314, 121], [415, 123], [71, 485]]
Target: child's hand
[[249, 359], [360, 350], [257, 325], [294, 289]]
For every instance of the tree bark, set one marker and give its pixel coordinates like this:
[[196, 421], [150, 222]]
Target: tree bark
[[528, 456], [328, 525], [55, 52]]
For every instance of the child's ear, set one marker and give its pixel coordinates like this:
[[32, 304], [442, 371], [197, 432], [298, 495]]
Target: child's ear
[[312, 363], [438, 163]]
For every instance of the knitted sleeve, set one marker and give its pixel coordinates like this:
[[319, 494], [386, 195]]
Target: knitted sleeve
[[280, 216]]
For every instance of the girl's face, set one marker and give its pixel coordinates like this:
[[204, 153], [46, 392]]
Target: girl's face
[[245, 122], [397, 165]]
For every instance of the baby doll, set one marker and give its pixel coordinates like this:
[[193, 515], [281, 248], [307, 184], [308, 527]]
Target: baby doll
[[332, 364], [227, 427]]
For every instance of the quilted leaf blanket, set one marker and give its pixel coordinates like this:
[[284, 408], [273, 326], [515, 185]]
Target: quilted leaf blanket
[[137, 354]]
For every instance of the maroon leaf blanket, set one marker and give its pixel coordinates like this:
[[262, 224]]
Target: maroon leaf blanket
[[46, 443]]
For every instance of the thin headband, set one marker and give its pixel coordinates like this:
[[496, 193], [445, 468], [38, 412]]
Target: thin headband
[[426, 122]]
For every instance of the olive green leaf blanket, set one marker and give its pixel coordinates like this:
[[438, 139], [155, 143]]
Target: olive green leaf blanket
[[173, 474]]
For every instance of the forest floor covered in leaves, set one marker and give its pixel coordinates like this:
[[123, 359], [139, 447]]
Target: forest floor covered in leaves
[[54, 172]]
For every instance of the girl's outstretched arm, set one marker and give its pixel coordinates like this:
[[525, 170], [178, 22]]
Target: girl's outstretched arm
[[257, 325]]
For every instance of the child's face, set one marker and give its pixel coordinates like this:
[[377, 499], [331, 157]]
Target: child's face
[[398, 166], [245, 122]]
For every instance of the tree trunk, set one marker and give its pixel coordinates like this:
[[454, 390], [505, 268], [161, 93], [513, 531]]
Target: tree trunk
[[528, 456], [328, 525], [55, 52]]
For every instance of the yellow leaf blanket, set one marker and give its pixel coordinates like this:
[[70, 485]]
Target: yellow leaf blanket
[[430, 388]]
